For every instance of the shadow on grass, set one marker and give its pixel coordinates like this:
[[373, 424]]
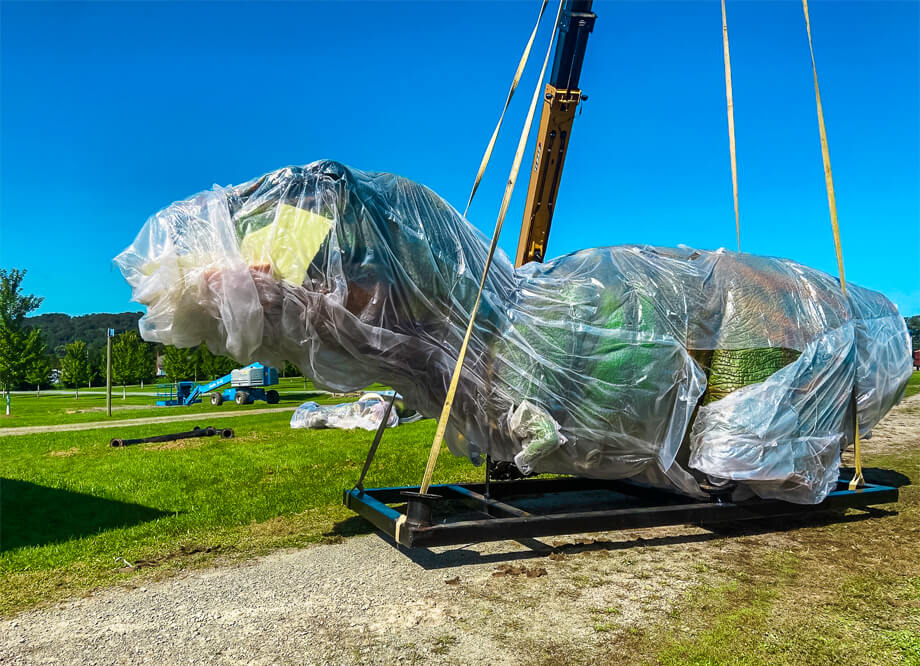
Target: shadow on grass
[[34, 515], [877, 475], [354, 526]]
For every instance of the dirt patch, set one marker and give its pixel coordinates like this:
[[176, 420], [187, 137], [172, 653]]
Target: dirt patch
[[190, 443], [64, 453], [898, 432], [183, 552], [515, 570], [279, 525]]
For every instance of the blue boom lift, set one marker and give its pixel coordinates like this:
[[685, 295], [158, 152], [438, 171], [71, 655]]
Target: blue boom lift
[[246, 385]]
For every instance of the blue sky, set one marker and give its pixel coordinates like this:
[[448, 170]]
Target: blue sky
[[111, 111]]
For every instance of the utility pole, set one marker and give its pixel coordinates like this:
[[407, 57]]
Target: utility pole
[[109, 333]]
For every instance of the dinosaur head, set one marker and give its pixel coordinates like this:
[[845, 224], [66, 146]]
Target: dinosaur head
[[309, 264], [205, 266]]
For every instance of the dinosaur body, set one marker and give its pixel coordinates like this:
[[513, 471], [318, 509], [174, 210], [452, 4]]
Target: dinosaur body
[[664, 365]]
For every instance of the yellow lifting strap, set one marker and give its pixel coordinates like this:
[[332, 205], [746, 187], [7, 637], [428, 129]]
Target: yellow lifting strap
[[514, 83], [506, 200], [731, 122], [857, 479]]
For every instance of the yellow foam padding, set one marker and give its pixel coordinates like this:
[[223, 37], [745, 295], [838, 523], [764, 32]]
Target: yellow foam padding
[[288, 244]]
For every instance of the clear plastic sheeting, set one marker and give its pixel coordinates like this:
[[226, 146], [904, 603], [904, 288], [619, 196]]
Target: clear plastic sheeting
[[782, 436], [366, 414], [665, 365], [537, 432]]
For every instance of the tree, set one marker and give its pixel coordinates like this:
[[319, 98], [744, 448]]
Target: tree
[[146, 362], [17, 346], [290, 370], [38, 371], [132, 359], [224, 365], [178, 364], [75, 368], [96, 356], [196, 363], [913, 327], [123, 355], [125, 349], [211, 365], [203, 361]]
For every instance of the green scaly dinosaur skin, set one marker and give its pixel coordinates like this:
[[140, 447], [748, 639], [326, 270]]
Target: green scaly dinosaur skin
[[614, 367], [732, 369], [610, 362]]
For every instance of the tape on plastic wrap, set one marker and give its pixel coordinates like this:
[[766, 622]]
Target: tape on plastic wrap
[[288, 244]]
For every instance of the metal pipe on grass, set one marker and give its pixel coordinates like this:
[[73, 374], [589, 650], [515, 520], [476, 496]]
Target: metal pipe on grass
[[209, 431]]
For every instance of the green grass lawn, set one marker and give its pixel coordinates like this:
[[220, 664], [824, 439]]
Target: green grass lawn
[[842, 592], [54, 408], [913, 385], [71, 505]]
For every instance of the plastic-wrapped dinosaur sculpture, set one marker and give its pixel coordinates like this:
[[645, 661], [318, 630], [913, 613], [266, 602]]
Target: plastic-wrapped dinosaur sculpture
[[670, 366]]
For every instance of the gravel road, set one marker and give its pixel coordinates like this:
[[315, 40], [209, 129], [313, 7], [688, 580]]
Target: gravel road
[[365, 601], [122, 423], [116, 391]]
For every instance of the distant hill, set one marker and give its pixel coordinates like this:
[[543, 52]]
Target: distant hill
[[62, 329]]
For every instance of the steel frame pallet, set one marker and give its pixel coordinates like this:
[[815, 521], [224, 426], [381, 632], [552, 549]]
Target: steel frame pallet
[[528, 508]]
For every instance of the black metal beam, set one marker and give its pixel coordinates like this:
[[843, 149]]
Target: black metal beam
[[563, 484], [575, 25], [515, 523], [488, 504]]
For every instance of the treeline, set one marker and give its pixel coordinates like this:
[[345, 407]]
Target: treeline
[[59, 330], [913, 327], [73, 349], [196, 363], [37, 352], [135, 362]]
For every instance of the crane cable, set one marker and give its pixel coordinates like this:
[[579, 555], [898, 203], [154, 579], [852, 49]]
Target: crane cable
[[514, 83], [857, 479], [506, 200], [731, 122]]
